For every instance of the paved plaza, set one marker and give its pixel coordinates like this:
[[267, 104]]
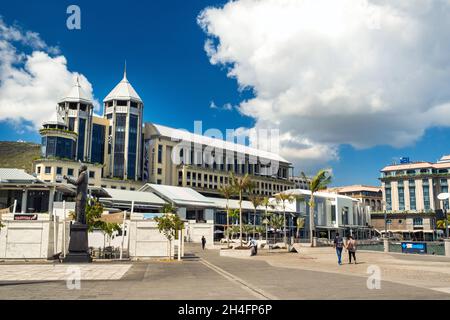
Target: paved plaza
[[312, 274]]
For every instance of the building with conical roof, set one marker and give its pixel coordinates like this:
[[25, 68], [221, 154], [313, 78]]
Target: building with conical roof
[[76, 109], [57, 141], [123, 153], [124, 109]]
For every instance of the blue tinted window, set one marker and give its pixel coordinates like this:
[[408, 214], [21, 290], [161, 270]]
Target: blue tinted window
[[132, 147], [98, 143], [119, 145], [81, 136]]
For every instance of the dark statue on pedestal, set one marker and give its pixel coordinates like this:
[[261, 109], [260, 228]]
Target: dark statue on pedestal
[[78, 246]]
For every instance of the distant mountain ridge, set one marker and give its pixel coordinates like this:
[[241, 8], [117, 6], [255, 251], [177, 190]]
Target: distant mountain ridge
[[19, 155]]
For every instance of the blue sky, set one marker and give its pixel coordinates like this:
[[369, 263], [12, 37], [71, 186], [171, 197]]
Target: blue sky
[[168, 66]]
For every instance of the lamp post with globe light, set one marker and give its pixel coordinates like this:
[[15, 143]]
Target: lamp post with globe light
[[443, 197]]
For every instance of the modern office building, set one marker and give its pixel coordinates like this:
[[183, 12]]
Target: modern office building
[[300, 182], [332, 213], [180, 158], [124, 109], [124, 153], [76, 110], [368, 195]]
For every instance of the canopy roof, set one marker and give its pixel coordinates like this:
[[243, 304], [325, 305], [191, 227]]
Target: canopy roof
[[179, 196], [139, 198], [16, 176]]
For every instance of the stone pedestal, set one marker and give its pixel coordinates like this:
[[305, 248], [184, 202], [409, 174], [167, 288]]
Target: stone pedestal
[[314, 243], [447, 247], [78, 245]]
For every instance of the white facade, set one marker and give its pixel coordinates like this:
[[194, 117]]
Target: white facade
[[332, 211]]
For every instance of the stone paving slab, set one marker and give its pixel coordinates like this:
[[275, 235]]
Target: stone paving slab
[[60, 272], [417, 271]]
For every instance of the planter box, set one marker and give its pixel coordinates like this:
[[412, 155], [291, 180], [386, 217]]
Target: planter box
[[235, 253]]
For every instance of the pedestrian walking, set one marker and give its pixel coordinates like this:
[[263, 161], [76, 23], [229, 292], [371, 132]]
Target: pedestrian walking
[[339, 246], [254, 245], [203, 242], [351, 247]]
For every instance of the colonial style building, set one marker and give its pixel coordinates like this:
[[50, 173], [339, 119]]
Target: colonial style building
[[368, 195], [414, 187], [124, 153], [410, 197]]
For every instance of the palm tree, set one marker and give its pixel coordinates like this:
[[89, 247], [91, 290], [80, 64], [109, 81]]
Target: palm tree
[[300, 225], [256, 202], [282, 198], [276, 222], [267, 203], [234, 214], [227, 192], [260, 230], [241, 186], [319, 182]]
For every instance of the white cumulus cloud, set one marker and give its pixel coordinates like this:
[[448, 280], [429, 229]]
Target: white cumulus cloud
[[329, 72], [33, 78]]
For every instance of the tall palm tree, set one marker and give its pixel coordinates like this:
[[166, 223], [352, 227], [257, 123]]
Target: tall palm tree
[[241, 185], [256, 202], [227, 192], [283, 199], [267, 203], [319, 182]]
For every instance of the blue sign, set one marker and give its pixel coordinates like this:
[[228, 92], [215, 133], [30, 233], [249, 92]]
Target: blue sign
[[414, 247], [404, 160]]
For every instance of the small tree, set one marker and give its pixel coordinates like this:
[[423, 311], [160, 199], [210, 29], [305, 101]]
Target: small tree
[[94, 212], [256, 202], [169, 224], [266, 203], [227, 192], [283, 199], [276, 222], [300, 225]]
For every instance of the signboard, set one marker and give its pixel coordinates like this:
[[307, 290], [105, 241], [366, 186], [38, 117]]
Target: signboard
[[414, 247], [25, 217], [404, 160]]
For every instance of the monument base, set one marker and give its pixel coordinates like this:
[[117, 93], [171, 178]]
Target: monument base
[[78, 245]]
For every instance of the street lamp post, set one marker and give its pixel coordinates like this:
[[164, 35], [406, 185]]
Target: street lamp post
[[443, 197]]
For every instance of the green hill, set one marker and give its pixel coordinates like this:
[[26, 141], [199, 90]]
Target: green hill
[[19, 155]]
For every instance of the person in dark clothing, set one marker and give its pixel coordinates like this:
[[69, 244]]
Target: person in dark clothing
[[351, 247], [203, 242], [254, 245], [339, 246]]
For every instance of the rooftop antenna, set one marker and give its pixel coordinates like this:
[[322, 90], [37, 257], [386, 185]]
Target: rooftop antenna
[[125, 71]]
